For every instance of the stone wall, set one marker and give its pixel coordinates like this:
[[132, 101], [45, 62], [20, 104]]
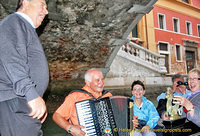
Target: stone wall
[[81, 34]]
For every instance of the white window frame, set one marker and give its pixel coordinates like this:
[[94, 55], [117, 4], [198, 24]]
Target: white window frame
[[161, 51], [180, 51], [190, 28], [164, 21], [198, 30], [178, 24]]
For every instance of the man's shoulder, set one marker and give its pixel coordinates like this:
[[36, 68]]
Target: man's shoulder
[[9, 19], [76, 96], [76, 92], [161, 96], [149, 103], [107, 94]]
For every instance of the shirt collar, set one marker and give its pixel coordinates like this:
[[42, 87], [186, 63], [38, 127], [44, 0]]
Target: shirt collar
[[27, 18]]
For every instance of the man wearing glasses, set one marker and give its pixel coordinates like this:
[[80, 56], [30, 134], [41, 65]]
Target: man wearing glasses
[[178, 89]]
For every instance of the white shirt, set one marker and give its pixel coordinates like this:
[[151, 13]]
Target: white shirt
[[26, 17]]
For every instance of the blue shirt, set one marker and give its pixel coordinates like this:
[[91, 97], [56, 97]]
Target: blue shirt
[[162, 95], [147, 112]]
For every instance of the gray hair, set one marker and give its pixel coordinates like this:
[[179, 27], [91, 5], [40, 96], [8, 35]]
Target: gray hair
[[177, 76], [88, 74], [19, 4]]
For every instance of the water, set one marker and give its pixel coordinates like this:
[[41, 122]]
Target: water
[[50, 128]]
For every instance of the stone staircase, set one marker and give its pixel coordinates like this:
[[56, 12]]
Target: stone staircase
[[133, 62]]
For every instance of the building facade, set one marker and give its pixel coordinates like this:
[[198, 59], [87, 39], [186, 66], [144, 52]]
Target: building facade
[[172, 29]]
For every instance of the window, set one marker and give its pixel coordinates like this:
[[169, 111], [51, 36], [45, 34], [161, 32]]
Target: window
[[161, 19], [163, 46], [189, 28], [198, 29], [176, 25], [135, 32], [186, 1], [178, 52]]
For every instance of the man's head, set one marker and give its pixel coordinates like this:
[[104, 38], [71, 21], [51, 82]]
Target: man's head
[[35, 9], [175, 79], [95, 80]]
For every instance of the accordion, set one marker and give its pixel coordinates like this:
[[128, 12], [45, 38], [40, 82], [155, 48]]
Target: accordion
[[110, 116]]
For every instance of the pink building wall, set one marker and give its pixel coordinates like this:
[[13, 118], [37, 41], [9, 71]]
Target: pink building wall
[[169, 35]]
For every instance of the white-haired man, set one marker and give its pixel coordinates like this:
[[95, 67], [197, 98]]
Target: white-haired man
[[65, 116]]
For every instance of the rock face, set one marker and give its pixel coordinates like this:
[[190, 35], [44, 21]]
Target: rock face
[[82, 34]]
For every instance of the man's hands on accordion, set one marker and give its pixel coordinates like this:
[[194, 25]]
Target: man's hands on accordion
[[76, 130]]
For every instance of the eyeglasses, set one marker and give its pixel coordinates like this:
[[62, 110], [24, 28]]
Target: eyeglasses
[[138, 89], [193, 79]]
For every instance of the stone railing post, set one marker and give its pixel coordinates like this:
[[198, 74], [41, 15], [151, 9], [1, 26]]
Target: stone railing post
[[146, 57]]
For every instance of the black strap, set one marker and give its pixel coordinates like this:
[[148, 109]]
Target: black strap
[[84, 91]]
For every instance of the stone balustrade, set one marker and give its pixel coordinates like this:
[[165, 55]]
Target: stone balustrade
[[144, 57]]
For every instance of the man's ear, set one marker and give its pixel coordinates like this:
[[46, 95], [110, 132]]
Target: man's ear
[[87, 83], [25, 4]]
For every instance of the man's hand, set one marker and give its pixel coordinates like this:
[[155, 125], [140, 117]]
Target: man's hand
[[38, 109], [135, 122], [145, 128], [76, 131]]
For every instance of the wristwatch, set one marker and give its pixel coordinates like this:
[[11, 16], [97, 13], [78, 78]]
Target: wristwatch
[[69, 129]]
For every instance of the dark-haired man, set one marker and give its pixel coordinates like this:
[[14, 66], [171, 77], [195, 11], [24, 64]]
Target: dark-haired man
[[178, 88]]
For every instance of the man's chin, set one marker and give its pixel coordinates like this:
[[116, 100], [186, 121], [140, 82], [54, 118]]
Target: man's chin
[[99, 90]]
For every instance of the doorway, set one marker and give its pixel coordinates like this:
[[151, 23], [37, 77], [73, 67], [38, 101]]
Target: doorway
[[166, 61], [190, 60]]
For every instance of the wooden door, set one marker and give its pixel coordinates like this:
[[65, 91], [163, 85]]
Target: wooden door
[[190, 60]]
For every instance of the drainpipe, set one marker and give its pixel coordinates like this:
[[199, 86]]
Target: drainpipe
[[147, 40]]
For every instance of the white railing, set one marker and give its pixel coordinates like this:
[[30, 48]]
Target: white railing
[[143, 57]]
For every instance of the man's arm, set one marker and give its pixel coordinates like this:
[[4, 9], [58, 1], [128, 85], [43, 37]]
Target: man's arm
[[161, 107], [63, 123]]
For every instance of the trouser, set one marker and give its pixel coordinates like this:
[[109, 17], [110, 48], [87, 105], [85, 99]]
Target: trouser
[[14, 119]]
